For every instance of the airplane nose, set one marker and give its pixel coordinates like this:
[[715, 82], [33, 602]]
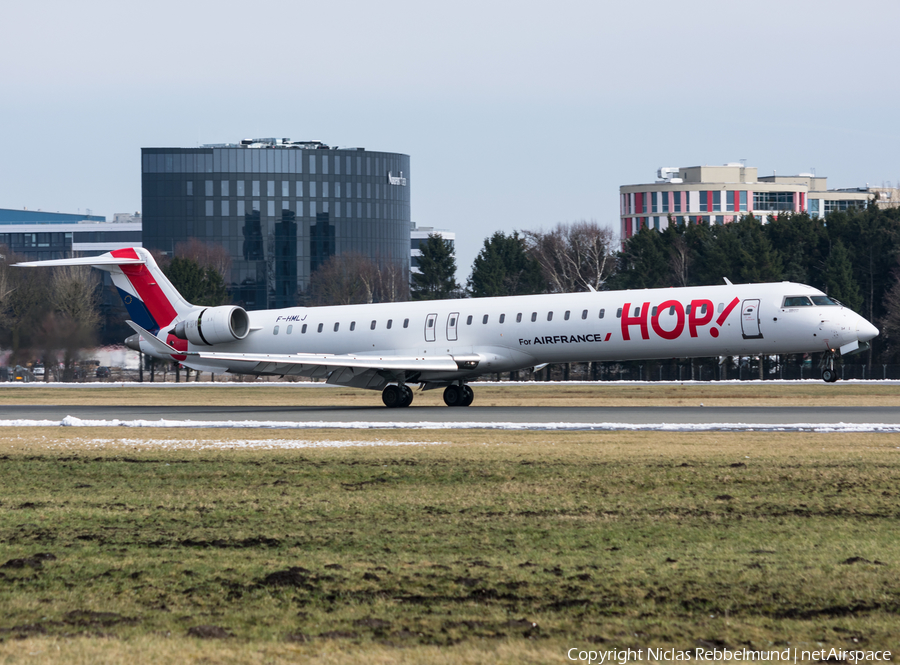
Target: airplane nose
[[865, 330]]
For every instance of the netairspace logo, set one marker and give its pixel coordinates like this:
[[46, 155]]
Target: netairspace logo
[[790, 655]]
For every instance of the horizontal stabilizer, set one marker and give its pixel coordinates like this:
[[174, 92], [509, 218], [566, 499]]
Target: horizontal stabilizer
[[154, 342], [104, 260]]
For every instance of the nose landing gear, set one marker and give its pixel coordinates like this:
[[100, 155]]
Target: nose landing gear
[[829, 375], [395, 396], [461, 395]]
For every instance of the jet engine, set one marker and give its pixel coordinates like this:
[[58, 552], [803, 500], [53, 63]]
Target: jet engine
[[214, 325]]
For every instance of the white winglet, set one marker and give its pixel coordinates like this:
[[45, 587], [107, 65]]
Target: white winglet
[[155, 342]]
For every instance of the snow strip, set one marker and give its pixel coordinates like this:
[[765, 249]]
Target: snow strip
[[71, 421], [233, 444]]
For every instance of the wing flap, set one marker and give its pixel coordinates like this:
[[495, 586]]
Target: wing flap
[[273, 361]]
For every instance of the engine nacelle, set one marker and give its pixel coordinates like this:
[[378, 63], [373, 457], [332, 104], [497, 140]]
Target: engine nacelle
[[214, 325]]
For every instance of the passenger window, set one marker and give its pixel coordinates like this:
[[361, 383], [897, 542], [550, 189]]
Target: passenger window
[[502, 318], [566, 315], [372, 325], [721, 307], [533, 317], [469, 320], [390, 323], [654, 311], [275, 330], [637, 311], [603, 313], [290, 329], [672, 310], [618, 313], [549, 316], [687, 310], [519, 317], [430, 324], [584, 314], [484, 320], [336, 326], [452, 321], [406, 323], [303, 329], [321, 325], [352, 326]]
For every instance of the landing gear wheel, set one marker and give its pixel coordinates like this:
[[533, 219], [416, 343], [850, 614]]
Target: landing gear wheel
[[469, 395], [407, 395], [829, 375], [392, 396], [453, 396]]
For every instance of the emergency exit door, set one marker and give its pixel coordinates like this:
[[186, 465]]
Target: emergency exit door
[[430, 323]]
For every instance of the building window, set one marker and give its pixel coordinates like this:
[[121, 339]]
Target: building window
[[773, 201], [223, 186], [285, 188], [209, 188], [240, 188], [226, 209], [704, 196], [190, 187], [654, 206], [270, 208], [209, 208], [255, 188]]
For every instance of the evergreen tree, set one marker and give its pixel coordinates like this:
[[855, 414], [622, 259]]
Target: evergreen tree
[[504, 268], [437, 264], [838, 274], [758, 261], [642, 263], [199, 286]]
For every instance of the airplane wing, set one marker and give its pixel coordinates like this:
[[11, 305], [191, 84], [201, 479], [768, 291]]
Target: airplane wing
[[358, 371]]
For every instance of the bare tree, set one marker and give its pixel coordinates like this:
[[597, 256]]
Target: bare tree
[[353, 278], [573, 257], [680, 260], [206, 254]]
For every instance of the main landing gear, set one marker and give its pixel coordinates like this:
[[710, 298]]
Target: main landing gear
[[397, 396], [458, 395]]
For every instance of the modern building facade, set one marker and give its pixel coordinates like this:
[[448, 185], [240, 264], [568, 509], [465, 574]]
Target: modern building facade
[[281, 208], [721, 194], [40, 235]]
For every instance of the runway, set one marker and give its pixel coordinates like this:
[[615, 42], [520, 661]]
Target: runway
[[676, 418]]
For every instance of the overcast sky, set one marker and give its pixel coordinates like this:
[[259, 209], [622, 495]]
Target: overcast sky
[[516, 115]]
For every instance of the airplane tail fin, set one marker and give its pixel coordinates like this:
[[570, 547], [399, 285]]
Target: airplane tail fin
[[151, 300]]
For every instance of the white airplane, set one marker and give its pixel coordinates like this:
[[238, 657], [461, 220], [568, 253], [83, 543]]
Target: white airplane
[[446, 343]]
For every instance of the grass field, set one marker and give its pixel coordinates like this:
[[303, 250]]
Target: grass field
[[486, 394], [441, 547]]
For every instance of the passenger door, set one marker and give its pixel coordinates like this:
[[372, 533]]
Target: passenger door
[[750, 319]]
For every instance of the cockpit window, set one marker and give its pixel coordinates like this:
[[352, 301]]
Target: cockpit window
[[797, 301], [824, 301]]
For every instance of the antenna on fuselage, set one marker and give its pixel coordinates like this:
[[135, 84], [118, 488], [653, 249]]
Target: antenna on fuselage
[[728, 281]]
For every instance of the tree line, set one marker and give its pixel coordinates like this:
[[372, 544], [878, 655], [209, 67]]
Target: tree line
[[852, 256]]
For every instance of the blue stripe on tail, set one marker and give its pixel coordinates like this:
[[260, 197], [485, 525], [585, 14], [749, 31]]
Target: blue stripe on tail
[[138, 311]]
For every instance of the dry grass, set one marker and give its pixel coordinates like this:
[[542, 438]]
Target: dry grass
[[437, 552], [487, 394]]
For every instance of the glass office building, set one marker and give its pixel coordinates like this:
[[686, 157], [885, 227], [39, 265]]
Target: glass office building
[[279, 207]]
